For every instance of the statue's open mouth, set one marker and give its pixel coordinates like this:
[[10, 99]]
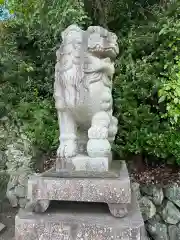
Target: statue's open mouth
[[111, 52]]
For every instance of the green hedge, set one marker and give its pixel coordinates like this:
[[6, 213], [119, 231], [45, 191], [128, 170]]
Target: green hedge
[[147, 84]]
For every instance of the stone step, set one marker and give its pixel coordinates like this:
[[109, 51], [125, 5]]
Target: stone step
[[114, 191], [80, 221]]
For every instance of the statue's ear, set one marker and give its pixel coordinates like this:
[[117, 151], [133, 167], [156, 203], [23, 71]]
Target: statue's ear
[[113, 36], [93, 40], [91, 29]]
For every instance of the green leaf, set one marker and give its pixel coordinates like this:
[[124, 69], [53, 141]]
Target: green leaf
[[161, 99], [176, 100]]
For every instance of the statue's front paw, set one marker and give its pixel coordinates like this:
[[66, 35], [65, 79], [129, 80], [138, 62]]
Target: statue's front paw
[[37, 206], [67, 149], [70, 149]]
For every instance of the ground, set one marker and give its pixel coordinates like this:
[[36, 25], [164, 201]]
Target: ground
[[161, 174], [7, 217]]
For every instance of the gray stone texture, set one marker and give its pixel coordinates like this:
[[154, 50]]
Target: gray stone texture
[[85, 114], [173, 194], [80, 221], [20, 191], [12, 198], [155, 193], [108, 190], [16, 152], [165, 225], [170, 213], [157, 229], [135, 186], [22, 202], [86, 163], [174, 232], [147, 207], [118, 210], [2, 226]]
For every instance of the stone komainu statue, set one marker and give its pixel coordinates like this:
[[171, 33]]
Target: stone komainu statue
[[82, 91]]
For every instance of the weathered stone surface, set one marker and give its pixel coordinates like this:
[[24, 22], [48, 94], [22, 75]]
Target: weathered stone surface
[[155, 193], [118, 210], [17, 188], [86, 163], [16, 192], [22, 202], [157, 229], [12, 198], [20, 191], [173, 194], [17, 157], [2, 226], [87, 109], [148, 209], [170, 213], [13, 182], [174, 232], [79, 221], [3, 159], [39, 206], [108, 190], [136, 188], [23, 179], [17, 151]]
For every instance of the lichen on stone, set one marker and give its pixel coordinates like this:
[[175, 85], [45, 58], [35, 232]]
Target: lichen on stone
[[18, 152]]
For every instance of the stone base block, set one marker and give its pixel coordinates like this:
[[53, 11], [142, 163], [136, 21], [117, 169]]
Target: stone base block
[[115, 191], [86, 163], [79, 221]]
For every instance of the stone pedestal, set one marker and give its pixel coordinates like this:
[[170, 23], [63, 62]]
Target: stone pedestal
[[79, 205], [80, 221], [83, 162], [112, 187]]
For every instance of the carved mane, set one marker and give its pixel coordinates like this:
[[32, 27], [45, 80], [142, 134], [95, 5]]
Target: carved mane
[[69, 69], [78, 62]]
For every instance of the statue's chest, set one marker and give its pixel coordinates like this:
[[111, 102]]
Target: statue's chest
[[90, 97]]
